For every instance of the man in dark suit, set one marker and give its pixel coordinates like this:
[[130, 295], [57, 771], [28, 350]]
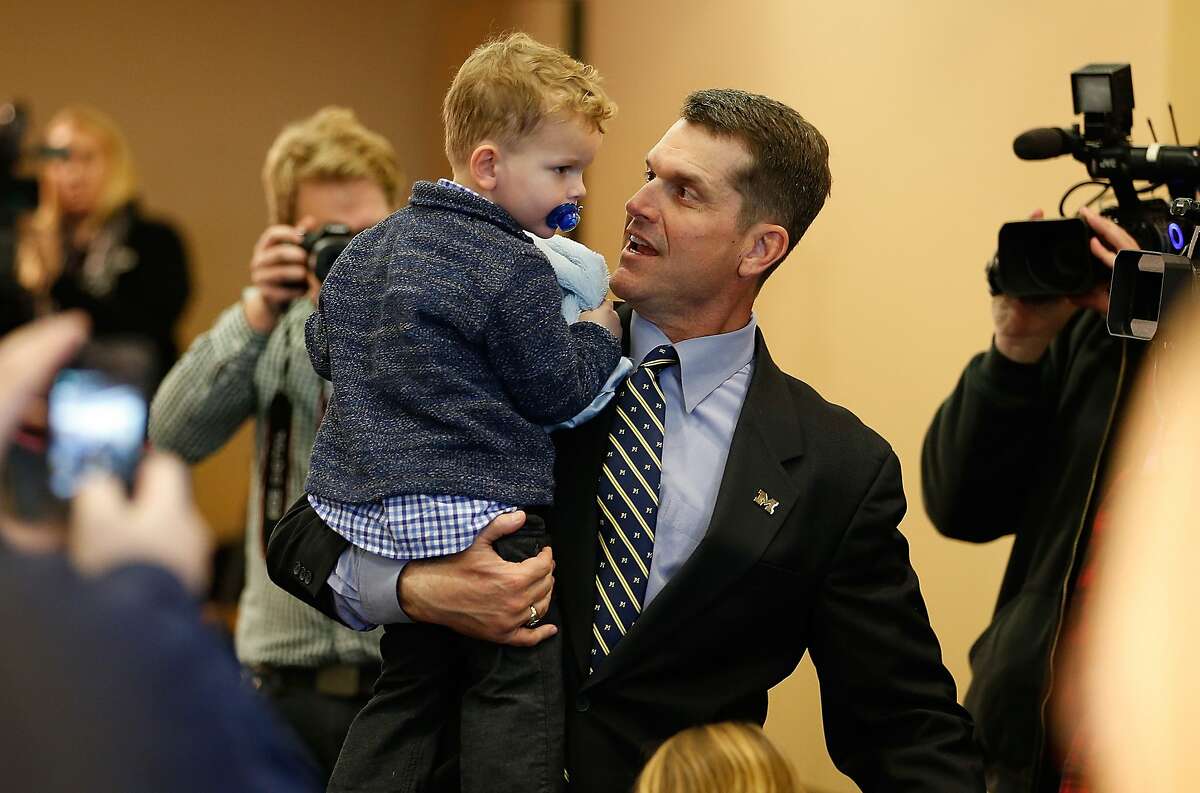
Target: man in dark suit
[[720, 518]]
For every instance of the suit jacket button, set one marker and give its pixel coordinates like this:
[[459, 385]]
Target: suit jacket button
[[582, 703]]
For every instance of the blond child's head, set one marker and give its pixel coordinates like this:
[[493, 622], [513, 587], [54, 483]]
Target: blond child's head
[[522, 122], [729, 757]]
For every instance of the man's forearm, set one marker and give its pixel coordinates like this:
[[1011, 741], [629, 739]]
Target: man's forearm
[[209, 393], [984, 441]]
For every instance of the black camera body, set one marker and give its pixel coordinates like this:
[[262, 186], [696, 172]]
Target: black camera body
[[1050, 258], [324, 246], [1146, 283]]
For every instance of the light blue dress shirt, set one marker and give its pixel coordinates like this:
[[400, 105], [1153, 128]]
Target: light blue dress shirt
[[705, 393]]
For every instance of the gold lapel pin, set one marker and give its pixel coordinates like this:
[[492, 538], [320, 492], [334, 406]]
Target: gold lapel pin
[[766, 502]]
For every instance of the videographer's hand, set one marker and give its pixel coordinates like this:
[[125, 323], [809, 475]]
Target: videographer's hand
[[1110, 238], [279, 274], [478, 594], [160, 525], [1025, 328], [604, 316]]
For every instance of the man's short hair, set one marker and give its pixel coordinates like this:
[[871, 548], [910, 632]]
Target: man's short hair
[[329, 145], [510, 85], [788, 179]]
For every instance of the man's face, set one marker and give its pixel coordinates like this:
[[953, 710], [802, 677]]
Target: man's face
[[358, 203], [545, 170], [683, 240]]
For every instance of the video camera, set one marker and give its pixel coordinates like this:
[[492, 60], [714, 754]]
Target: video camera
[[1050, 258]]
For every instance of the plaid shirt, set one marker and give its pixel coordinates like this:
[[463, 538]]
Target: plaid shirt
[[230, 374], [413, 526]]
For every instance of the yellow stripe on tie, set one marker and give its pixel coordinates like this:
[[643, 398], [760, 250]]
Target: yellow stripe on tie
[[603, 596], [617, 526], [616, 570], [649, 490], [600, 639], [632, 507], [658, 390], [629, 422], [649, 412]]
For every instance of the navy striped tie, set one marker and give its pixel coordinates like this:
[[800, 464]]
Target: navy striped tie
[[627, 499]]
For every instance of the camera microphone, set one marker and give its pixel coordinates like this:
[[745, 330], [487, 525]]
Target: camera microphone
[[1045, 143], [1155, 163]]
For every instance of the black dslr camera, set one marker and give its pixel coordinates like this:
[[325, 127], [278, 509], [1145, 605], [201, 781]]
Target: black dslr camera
[[1050, 258], [324, 246]]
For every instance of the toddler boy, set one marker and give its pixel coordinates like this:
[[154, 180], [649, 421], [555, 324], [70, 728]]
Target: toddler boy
[[442, 333]]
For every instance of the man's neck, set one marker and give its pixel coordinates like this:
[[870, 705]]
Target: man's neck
[[695, 326]]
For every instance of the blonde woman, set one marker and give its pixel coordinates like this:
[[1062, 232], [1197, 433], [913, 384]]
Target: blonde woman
[[88, 247], [730, 757]]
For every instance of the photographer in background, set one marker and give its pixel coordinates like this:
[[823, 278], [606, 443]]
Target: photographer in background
[[88, 246], [108, 678], [326, 169], [1019, 448]]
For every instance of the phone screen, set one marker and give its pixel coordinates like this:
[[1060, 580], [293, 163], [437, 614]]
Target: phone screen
[[96, 423]]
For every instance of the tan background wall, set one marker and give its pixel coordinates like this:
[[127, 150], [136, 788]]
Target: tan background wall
[[879, 307]]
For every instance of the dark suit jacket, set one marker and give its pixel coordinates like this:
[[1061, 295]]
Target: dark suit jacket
[[828, 572]]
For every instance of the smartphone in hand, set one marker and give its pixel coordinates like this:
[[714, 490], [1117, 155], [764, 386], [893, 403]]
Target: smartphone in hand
[[93, 419]]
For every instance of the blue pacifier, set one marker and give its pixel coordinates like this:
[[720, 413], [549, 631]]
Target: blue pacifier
[[564, 217]]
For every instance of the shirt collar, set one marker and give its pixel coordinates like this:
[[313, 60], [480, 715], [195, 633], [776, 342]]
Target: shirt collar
[[704, 362], [453, 185]]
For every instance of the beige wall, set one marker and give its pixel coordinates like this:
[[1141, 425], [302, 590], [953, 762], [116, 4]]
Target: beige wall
[[880, 305], [884, 301]]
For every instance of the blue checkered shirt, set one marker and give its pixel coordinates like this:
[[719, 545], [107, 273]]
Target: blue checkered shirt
[[456, 186], [410, 526]]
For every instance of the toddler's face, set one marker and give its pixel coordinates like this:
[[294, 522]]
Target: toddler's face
[[544, 170]]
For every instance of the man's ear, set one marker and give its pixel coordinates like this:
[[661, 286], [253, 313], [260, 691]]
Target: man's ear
[[482, 165], [768, 245]]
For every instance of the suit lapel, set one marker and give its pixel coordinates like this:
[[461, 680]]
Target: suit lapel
[[577, 470], [767, 435]]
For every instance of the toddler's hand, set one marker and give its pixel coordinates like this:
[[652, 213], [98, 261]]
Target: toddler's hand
[[605, 317]]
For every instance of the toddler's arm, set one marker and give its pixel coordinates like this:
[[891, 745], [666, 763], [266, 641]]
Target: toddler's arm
[[551, 370]]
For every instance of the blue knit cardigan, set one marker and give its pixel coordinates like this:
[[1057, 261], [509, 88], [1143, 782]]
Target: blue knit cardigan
[[441, 330]]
